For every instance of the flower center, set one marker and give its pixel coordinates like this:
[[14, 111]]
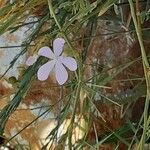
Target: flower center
[[58, 58]]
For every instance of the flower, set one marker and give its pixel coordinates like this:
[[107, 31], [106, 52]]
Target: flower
[[57, 62]]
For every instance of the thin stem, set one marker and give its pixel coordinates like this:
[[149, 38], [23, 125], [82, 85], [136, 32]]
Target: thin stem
[[126, 3], [79, 77], [60, 28], [137, 24], [75, 54], [139, 33]]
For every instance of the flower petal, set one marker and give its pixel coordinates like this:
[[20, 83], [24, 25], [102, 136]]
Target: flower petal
[[46, 52], [31, 60], [58, 45], [70, 63], [61, 73], [45, 70]]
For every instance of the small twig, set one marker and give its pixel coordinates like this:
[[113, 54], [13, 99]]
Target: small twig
[[16, 46], [24, 24], [83, 38]]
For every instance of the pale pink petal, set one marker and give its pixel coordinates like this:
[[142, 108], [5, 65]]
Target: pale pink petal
[[45, 70], [61, 73], [58, 45], [46, 52], [69, 62], [31, 60]]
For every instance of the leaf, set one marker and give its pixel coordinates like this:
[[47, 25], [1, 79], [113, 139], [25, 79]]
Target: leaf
[[24, 84], [8, 23], [106, 5], [117, 134], [81, 14], [6, 9]]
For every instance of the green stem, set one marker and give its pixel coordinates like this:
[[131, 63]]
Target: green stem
[[75, 54], [137, 24], [139, 33], [79, 77], [71, 126], [60, 28]]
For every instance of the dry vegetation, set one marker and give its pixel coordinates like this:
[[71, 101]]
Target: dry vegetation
[[106, 105]]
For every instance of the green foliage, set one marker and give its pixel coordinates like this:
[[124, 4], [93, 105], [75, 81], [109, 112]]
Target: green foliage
[[67, 18]]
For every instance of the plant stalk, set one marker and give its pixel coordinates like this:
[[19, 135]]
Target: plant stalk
[[137, 24]]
